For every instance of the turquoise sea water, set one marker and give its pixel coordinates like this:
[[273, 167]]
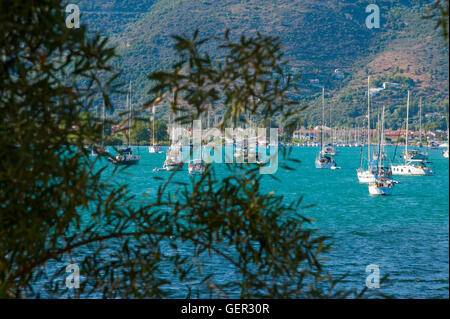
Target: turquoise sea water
[[406, 234]]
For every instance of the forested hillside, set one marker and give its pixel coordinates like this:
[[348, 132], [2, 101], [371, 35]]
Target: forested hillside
[[318, 36]]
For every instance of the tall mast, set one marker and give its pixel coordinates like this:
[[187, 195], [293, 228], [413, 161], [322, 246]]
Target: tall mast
[[380, 154], [378, 131], [153, 125], [130, 110], [331, 131], [407, 120], [368, 120], [448, 136], [420, 121], [170, 129], [323, 117]]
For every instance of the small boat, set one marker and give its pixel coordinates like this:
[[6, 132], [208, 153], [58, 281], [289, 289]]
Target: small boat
[[154, 149], [124, 157], [171, 166], [445, 153], [99, 149], [411, 167], [415, 155], [382, 186], [173, 161], [328, 150], [196, 167], [367, 175], [125, 154], [325, 161], [324, 158]]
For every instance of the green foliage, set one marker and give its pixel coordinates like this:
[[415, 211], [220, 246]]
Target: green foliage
[[48, 80], [57, 204], [116, 140], [161, 134], [142, 132], [440, 10]]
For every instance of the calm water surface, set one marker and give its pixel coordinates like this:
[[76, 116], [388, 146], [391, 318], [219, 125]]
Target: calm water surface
[[406, 235]]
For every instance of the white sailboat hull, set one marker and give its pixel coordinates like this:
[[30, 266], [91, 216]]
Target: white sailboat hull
[[375, 190], [365, 176], [154, 149], [325, 165], [409, 170], [193, 171], [172, 166]]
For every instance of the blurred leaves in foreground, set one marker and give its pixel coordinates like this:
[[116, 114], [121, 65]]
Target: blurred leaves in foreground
[[57, 207]]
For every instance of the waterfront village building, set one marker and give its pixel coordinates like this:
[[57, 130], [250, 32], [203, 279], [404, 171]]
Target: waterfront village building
[[313, 134]]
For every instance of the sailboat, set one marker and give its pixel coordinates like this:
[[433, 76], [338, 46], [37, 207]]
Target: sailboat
[[367, 175], [154, 147], [323, 159], [445, 152], [173, 155], [100, 149], [417, 154], [125, 154], [196, 165], [382, 184], [410, 166], [381, 155]]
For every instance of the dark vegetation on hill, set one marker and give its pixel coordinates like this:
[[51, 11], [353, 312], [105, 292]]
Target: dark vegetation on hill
[[318, 37]]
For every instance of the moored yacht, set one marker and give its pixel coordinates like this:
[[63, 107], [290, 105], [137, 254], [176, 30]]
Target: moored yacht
[[325, 161], [125, 154], [415, 155], [154, 148], [410, 167], [413, 168], [382, 184], [124, 157], [196, 167], [328, 150], [367, 175], [445, 153]]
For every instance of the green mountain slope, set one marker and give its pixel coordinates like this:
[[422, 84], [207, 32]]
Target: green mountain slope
[[318, 36]]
